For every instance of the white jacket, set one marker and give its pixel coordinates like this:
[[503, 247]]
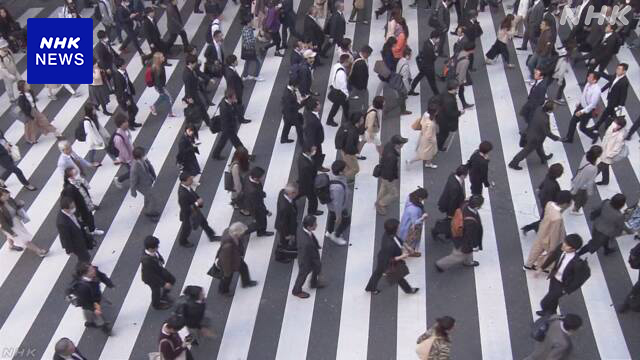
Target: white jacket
[[523, 7], [8, 68], [612, 143], [562, 67], [96, 138]]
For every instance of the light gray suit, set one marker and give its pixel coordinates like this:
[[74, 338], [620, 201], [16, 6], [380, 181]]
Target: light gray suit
[[141, 179], [556, 344]]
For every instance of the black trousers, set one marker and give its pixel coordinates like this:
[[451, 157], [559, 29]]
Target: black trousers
[[377, 275], [430, 74], [275, 40], [288, 123], [226, 136], [635, 292], [441, 138], [476, 187], [528, 149], [159, 294], [562, 84], [604, 169], [261, 220], [302, 277], [223, 287], [461, 95], [286, 28], [11, 167], [499, 48], [131, 38], [344, 103], [185, 230], [583, 120], [536, 224], [344, 224], [549, 302], [597, 241], [312, 207], [131, 110], [606, 118], [82, 255], [634, 127], [174, 36]]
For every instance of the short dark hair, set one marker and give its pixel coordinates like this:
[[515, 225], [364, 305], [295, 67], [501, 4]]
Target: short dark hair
[[311, 103], [120, 118], [625, 66], [175, 322], [344, 58], [571, 322], [230, 59], [215, 33], [66, 202], [378, 102], [485, 147], [138, 152], [391, 226], [191, 59], [366, 49], [573, 240], [338, 166], [618, 201], [462, 170], [621, 120], [418, 195], [148, 10], [555, 171], [257, 172], [595, 75], [475, 201], [435, 34], [309, 221], [452, 84], [563, 197], [118, 62], [151, 242], [593, 154], [184, 176], [102, 34]]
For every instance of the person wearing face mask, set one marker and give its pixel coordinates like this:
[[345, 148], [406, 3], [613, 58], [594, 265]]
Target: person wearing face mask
[[12, 219], [471, 238], [76, 188], [73, 236], [614, 148]]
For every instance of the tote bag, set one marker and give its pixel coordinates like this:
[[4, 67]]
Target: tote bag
[[424, 347]]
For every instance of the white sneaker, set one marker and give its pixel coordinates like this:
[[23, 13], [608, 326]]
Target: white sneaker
[[339, 241], [97, 232], [258, 78], [330, 236], [431, 166], [117, 183], [573, 212]]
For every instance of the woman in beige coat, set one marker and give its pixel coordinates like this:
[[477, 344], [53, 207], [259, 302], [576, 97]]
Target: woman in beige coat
[[8, 71], [427, 144], [372, 124], [35, 122], [614, 148]]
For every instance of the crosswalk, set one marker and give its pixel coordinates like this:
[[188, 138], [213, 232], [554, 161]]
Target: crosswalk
[[494, 304]]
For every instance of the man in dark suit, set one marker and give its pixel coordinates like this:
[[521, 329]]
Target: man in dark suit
[[65, 349], [151, 32], [253, 191], [426, 65], [307, 172], [448, 117], [565, 277], [190, 215], [313, 131], [452, 197], [312, 32], [308, 258], [359, 74], [443, 22], [288, 20], [537, 131], [105, 53], [291, 113], [155, 275], [234, 83], [192, 84], [462, 253], [214, 54], [125, 18], [478, 165], [616, 97], [305, 75], [534, 17], [287, 216], [124, 90], [337, 26], [557, 341], [175, 26], [604, 51], [537, 95], [229, 125], [73, 236]]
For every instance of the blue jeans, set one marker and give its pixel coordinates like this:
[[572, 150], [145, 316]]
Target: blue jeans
[[163, 97], [536, 61], [258, 64]]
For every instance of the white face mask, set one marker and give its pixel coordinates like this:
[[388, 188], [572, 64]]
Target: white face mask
[[72, 210]]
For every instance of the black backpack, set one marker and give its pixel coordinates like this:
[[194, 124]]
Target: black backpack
[[541, 326], [70, 295], [111, 147], [322, 187], [80, 134], [634, 257], [181, 304]]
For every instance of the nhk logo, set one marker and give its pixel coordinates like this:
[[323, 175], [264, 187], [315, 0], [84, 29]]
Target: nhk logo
[[617, 15], [59, 51]]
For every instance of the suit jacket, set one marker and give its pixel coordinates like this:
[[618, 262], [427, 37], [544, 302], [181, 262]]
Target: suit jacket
[[337, 26], [73, 239], [153, 271], [212, 55], [286, 216], [142, 176], [604, 50], [388, 250], [151, 32], [174, 19], [534, 18], [448, 118], [556, 345], [123, 17], [234, 81], [359, 75], [190, 80], [308, 252], [82, 210], [228, 117], [548, 190], [471, 231], [306, 78], [254, 197], [290, 106], [187, 155], [296, 57], [617, 95], [428, 55], [389, 169], [307, 172], [105, 55], [25, 105], [120, 88], [452, 196], [187, 200], [312, 31], [537, 95], [478, 169], [443, 16], [570, 275], [75, 356], [312, 130], [539, 128], [610, 222]]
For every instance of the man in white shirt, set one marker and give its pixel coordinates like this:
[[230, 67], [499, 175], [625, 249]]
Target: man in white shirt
[[339, 91], [588, 102]]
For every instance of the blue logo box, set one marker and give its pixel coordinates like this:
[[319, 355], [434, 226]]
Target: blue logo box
[[60, 51]]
